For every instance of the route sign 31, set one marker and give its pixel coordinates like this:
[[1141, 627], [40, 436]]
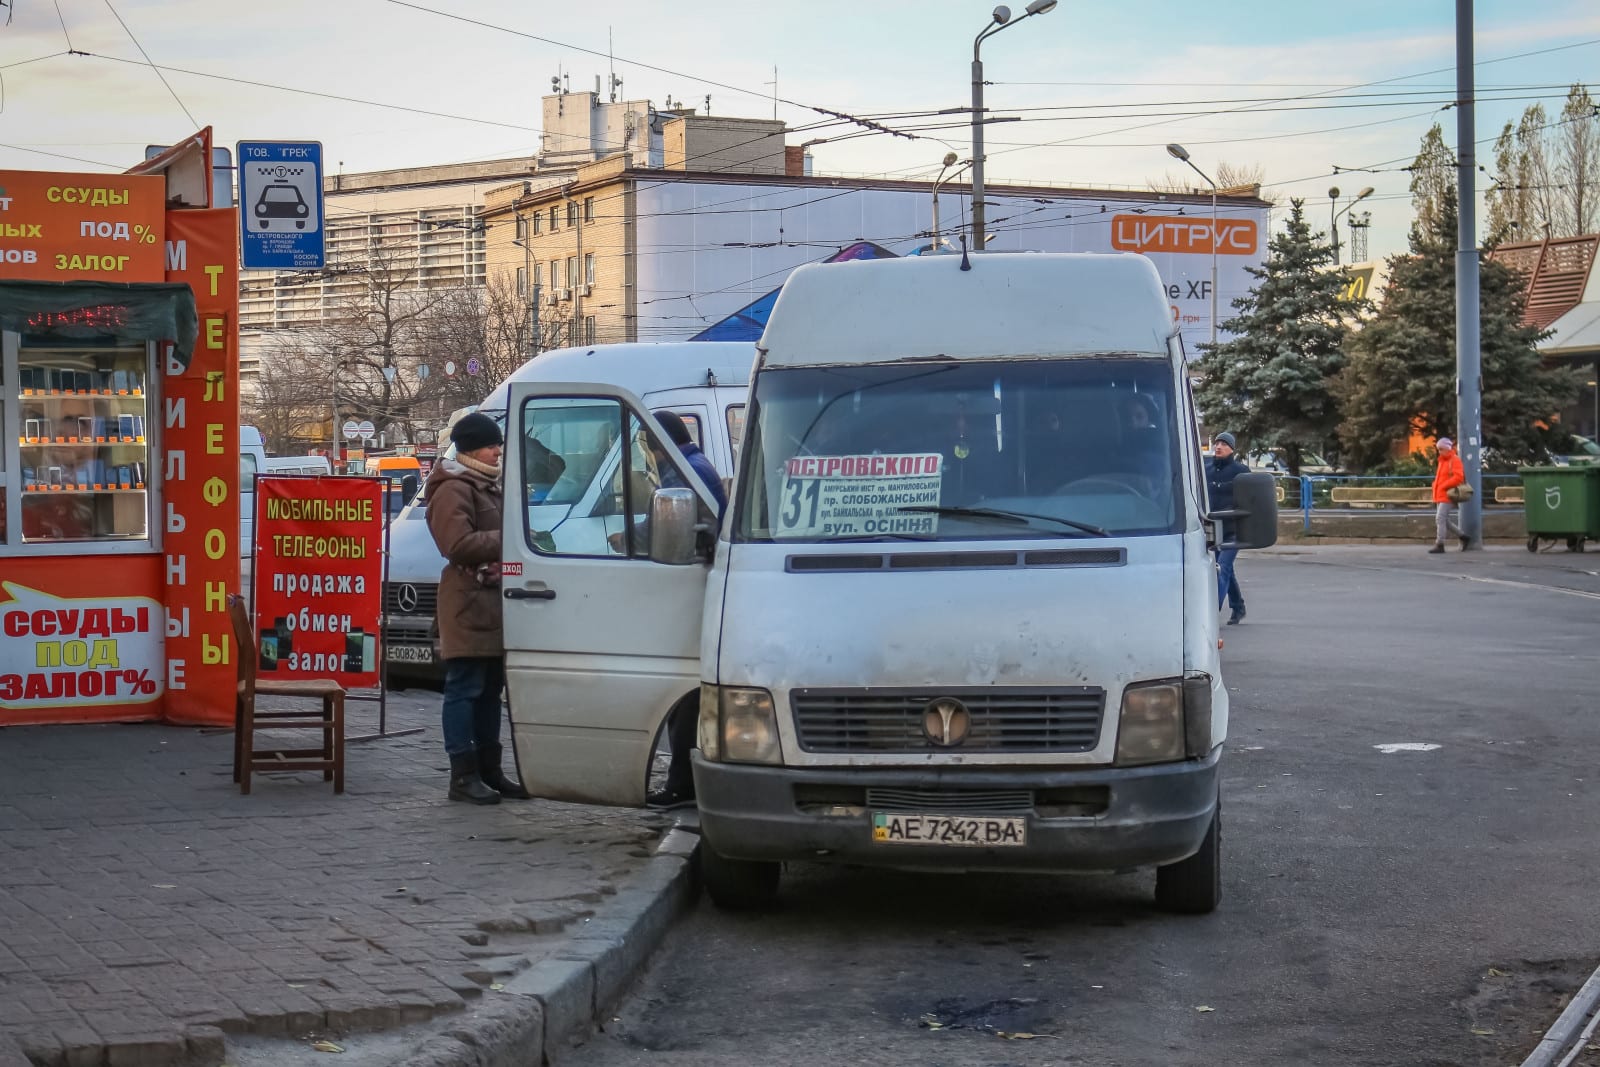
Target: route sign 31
[[280, 205]]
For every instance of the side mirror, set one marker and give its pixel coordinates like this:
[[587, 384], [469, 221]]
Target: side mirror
[[408, 488], [673, 514], [1255, 510]]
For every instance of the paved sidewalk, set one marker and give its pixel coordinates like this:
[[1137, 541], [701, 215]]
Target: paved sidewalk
[[148, 911]]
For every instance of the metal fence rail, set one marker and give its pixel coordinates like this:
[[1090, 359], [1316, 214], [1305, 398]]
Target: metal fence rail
[[1386, 494]]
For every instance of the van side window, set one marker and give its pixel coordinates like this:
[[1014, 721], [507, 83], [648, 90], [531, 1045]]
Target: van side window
[[589, 469], [735, 428]]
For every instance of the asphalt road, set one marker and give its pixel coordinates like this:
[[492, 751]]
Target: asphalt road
[[1408, 907]]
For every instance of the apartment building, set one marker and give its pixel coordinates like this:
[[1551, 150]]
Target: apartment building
[[698, 246]]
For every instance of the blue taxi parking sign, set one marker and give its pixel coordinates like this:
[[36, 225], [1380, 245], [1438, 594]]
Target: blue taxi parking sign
[[280, 205]]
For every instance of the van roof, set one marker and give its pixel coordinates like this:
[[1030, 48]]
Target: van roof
[[1008, 305], [639, 367]]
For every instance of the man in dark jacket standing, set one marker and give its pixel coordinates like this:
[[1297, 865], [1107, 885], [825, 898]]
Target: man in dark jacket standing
[[464, 508], [1222, 468]]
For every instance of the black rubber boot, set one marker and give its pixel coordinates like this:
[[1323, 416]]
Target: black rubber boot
[[465, 784], [494, 777]]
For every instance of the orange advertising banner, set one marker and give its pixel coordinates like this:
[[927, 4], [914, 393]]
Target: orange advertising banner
[[200, 427], [81, 640], [1149, 234], [68, 227]]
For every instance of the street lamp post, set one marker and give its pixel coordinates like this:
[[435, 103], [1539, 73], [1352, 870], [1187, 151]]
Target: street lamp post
[[1177, 151], [997, 22], [1334, 194], [949, 161]]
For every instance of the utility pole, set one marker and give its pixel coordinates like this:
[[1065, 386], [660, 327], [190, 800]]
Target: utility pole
[[1469, 383]]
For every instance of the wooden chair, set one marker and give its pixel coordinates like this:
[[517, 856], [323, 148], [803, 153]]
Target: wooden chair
[[329, 759]]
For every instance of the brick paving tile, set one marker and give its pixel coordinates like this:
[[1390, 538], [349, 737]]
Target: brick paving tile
[[147, 908]]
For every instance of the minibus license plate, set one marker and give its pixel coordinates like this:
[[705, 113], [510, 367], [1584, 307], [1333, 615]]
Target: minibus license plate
[[410, 654], [987, 831]]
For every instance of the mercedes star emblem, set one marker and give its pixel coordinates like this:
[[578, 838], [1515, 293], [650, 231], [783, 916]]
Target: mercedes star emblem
[[946, 722], [406, 598]]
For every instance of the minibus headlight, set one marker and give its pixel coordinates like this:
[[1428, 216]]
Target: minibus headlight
[[1150, 728], [749, 727], [708, 732]]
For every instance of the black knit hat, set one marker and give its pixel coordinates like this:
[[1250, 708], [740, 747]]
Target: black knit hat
[[677, 432], [475, 431]]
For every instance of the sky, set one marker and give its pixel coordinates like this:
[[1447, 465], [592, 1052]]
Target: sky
[[1296, 89]]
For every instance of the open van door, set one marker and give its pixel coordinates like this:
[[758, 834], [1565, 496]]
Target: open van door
[[601, 642]]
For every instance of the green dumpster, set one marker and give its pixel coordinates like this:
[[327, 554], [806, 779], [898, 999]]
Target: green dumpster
[[1561, 503]]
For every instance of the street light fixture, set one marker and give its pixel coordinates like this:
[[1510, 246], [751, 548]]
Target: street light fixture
[[1334, 225], [1178, 152], [999, 20], [950, 159]]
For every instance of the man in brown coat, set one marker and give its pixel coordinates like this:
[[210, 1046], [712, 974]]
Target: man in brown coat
[[464, 507]]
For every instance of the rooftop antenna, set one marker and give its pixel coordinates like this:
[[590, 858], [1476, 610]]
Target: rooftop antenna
[[708, 103], [612, 60], [774, 84]]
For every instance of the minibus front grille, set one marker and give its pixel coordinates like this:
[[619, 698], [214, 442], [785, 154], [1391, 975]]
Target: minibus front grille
[[410, 598], [997, 719]]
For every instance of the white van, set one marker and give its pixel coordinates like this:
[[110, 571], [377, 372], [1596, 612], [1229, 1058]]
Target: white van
[[962, 613], [705, 383], [303, 465], [252, 461]]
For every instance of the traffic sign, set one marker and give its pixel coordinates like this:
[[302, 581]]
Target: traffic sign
[[367, 430], [352, 430], [280, 205], [473, 366]]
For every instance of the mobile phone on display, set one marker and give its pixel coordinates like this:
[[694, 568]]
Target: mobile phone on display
[[269, 652], [352, 650], [125, 476], [55, 477], [124, 425], [85, 427], [26, 376], [84, 481], [31, 428], [83, 381], [28, 481], [138, 475]]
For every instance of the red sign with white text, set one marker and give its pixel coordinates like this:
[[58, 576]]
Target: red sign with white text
[[319, 578]]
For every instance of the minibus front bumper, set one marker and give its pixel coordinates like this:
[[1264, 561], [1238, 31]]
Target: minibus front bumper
[[1080, 820]]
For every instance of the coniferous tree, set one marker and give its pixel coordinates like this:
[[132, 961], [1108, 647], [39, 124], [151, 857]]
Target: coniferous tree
[[1270, 383], [1401, 372]]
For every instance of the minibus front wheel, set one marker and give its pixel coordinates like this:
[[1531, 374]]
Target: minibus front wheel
[[739, 885], [1194, 886]]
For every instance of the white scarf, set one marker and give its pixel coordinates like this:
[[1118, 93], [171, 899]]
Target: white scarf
[[486, 469]]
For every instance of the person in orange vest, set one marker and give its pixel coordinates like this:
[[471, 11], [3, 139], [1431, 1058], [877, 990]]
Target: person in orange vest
[[1449, 475]]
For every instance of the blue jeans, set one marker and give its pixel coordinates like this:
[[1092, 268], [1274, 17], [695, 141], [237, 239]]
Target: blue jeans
[[472, 686], [1227, 583]]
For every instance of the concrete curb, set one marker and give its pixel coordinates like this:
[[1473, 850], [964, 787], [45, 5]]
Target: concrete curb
[[1563, 1031], [557, 1000]]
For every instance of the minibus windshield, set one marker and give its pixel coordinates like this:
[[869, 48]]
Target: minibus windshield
[[1084, 447]]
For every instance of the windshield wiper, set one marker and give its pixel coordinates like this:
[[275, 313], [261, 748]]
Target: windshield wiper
[[1003, 515]]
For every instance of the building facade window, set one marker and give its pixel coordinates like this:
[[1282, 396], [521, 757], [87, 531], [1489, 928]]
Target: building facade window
[[572, 212], [536, 220], [588, 209], [522, 281], [555, 274], [552, 218], [588, 329], [522, 228], [538, 276], [588, 268], [572, 272]]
